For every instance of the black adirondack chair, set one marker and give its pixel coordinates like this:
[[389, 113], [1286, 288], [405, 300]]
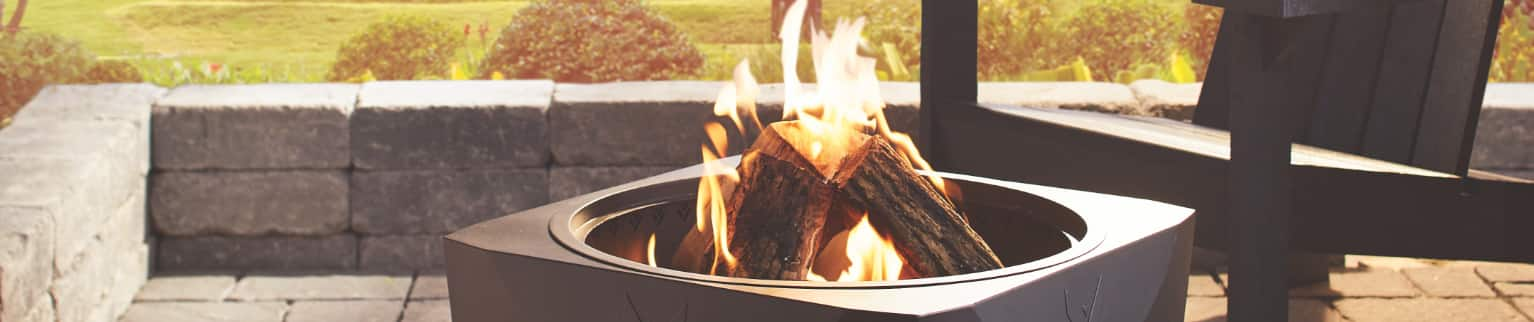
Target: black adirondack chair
[[1327, 126]]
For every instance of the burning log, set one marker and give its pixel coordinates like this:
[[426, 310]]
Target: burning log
[[782, 210], [779, 212], [928, 231]]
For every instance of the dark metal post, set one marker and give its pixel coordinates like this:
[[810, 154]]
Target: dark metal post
[[948, 72], [1260, 188]]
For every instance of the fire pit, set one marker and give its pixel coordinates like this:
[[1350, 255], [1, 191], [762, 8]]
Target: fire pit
[[829, 215], [1069, 256]]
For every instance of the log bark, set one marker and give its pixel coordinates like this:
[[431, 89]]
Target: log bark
[[927, 229], [778, 213]]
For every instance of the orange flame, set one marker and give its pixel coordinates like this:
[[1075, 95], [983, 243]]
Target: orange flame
[[650, 251], [870, 257], [846, 102]]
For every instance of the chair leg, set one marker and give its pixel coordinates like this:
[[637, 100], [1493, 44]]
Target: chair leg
[[1260, 188]]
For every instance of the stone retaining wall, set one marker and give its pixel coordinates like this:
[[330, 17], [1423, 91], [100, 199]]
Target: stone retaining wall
[[366, 177], [72, 215]]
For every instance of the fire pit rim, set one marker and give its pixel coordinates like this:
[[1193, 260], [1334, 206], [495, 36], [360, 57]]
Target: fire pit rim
[[563, 226]]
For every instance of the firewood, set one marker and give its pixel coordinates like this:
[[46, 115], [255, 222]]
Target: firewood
[[790, 141], [778, 214], [928, 231]]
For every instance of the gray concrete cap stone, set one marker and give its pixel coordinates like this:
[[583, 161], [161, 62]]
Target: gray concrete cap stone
[[249, 203], [428, 311], [186, 288], [440, 201], [535, 94], [335, 287], [1164, 99], [639, 123], [269, 126], [116, 102], [1509, 96], [352, 311], [26, 260], [118, 143], [206, 312], [566, 182], [405, 253], [276, 253], [1089, 96], [334, 96], [479, 124]]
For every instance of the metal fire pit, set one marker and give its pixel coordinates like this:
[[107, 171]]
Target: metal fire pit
[[1069, 255]]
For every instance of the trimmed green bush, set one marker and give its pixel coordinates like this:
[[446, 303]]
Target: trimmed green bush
[[29, 61], [398, 48], [113, 71], [585, 41]]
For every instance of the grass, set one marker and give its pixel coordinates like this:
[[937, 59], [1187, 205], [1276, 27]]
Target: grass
[[296, 40]]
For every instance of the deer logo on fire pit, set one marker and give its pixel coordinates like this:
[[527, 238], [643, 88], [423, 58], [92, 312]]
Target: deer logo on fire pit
[[1085, 309]]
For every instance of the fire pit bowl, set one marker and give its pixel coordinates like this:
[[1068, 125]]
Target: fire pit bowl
[[1069, 256]]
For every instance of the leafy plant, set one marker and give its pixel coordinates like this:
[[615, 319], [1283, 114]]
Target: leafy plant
[[1019, 36], [29, 61], [1203, 24], [398, 48], [588, 41], [1514, 57], [1115, 35], [113, 71]]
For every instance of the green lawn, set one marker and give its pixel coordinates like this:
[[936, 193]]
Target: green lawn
[[297, 39]]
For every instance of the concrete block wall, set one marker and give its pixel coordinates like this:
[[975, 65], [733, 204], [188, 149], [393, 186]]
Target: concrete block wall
[[367, 177], [72, 217]]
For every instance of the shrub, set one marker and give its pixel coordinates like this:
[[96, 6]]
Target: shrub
[[398, 48], [1115, 35], [1514, 57], [113, 71], [586, 41], [29, 61], [1016, 37], [895, 24], [1203, 24]]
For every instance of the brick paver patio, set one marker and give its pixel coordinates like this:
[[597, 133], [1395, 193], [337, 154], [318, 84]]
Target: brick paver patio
[[1368, 289]]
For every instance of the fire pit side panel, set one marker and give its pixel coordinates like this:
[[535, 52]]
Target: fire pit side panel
[[492, 286]]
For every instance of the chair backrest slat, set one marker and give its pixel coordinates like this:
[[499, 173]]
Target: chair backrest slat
[[1347, 83], [1404, 69], [1401, 83], [1452, 107]]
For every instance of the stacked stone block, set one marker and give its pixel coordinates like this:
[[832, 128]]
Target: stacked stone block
[[369, 176], [72, 217], [433, 157], [253, 177], [1504, 140]]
